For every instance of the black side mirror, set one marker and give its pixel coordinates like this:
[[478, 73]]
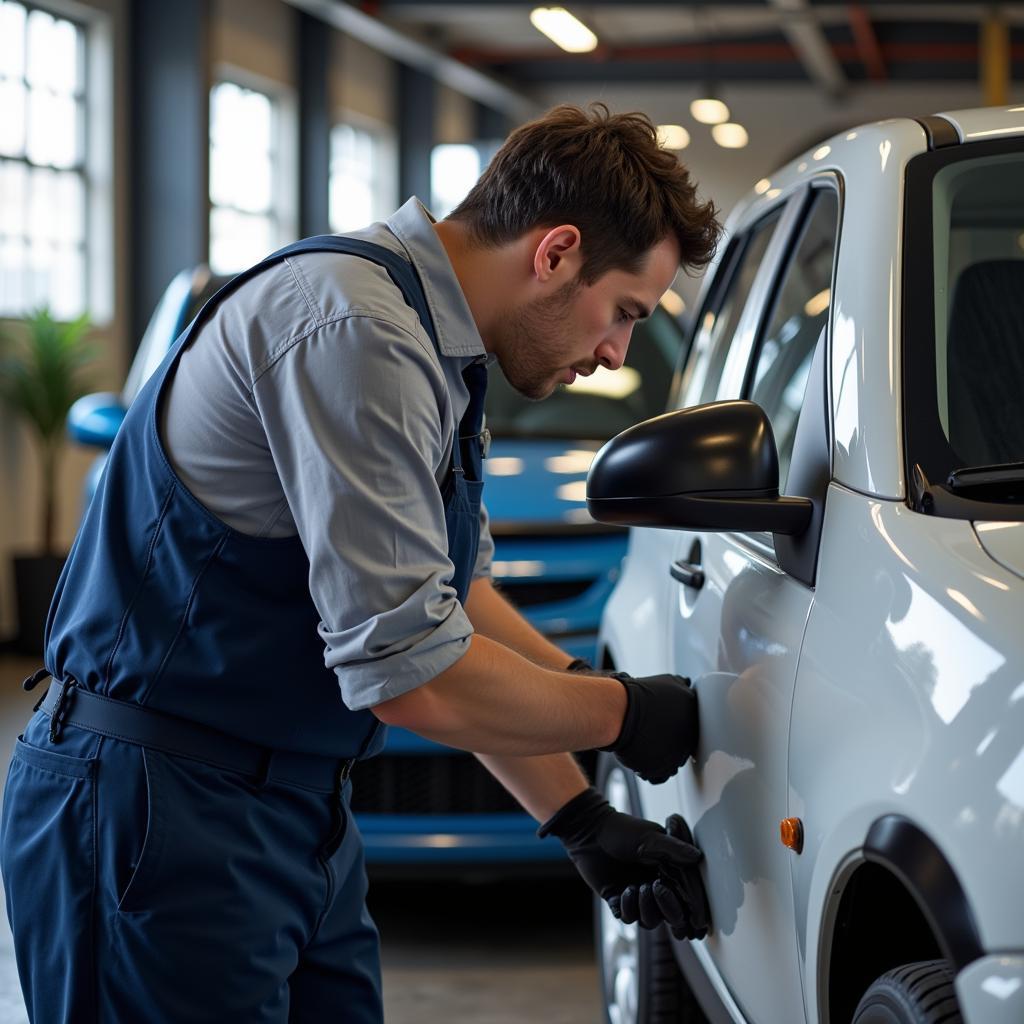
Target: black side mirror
[[711, 467]]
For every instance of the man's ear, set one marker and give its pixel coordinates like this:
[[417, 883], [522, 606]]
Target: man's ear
[[557, 255]]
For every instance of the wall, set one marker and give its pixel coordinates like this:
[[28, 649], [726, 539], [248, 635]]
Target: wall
[[362, 81]]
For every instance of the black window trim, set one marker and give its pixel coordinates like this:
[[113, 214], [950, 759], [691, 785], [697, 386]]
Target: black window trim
[[928, 457], [800, 559]]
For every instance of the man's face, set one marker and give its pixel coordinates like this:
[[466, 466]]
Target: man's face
[[549, 340]]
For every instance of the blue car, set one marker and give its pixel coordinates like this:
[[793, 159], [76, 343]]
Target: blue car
[[419, 803]]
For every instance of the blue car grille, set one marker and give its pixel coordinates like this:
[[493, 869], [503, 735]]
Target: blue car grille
[[524, 594], [433, 784]]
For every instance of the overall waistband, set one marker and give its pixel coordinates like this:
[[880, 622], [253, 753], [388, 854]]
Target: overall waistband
[[66, 703]]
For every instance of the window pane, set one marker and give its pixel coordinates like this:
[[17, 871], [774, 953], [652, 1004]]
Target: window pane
[[13, 195], [454, 170], [52, 129], [42, 205], [70, 205], [716, 330], [50, 65], [12, 123], [801, 312], [237, 240], [241, 160], [67, 283], [12, 40], [12, 272]]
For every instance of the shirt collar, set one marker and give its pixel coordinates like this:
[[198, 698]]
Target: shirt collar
[[457, 334]]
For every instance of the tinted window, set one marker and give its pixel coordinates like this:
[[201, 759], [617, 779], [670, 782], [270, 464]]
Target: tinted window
[[978, 216], [801, 311], [602, 405], [721, 317]]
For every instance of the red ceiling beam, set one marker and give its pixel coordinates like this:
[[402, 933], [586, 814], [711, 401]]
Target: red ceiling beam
[[738, 53], [867, 42]]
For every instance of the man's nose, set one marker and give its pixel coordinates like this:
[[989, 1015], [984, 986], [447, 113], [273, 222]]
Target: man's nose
[[611, 353]]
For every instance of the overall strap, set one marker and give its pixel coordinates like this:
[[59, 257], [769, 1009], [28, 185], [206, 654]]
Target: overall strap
[[401, 272]]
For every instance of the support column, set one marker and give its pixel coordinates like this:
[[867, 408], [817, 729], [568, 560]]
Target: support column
[[169, 121], [314, 42], [995, 60], [417, 104]]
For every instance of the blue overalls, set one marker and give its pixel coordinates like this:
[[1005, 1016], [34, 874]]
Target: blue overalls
[[176, 839]]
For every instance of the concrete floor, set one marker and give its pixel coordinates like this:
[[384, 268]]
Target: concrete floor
[[496, 953]]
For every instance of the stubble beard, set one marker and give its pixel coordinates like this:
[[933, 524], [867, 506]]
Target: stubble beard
[[536, 346]]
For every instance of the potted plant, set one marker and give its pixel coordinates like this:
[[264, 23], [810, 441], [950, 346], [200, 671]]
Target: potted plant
[[40, 378]]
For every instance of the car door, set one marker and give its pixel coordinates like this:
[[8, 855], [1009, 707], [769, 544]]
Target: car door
[[737, 623]]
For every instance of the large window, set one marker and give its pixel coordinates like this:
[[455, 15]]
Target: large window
[[250, 213], [363, 171], [454, 170], [43, 180]]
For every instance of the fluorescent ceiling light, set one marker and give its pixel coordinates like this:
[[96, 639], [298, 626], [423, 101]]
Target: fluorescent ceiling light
[[730, 136], [575, 460], [563, 29], [673, 136], [709, 111]]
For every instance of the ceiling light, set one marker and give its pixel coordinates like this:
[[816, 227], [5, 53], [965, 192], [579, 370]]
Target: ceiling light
[[762, 186], [709, 111], [563, 29], [673, 136], [730, 136], [673, 302], [821, 152]]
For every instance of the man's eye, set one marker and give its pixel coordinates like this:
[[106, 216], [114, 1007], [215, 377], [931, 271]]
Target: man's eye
[[623, 315]]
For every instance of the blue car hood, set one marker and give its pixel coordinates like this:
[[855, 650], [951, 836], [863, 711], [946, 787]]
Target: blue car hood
[[537, 482]]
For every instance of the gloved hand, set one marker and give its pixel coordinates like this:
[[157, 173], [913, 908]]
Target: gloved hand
[[645, 873], [660, 728]]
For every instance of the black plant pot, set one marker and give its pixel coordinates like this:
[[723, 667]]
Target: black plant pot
[[35, 579]]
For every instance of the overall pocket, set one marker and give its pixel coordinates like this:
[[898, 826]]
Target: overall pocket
[[48, 858]]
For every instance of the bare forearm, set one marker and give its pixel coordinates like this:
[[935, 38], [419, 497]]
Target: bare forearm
[[495, 701], [494, 616], [541, 784]]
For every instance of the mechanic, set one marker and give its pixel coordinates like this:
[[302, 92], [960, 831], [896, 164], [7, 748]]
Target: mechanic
[[293, 505]]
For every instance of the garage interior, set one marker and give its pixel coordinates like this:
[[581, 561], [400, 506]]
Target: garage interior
[[125, 159]]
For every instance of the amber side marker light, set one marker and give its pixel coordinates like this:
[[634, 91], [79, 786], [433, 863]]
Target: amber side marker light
[[791, 832]]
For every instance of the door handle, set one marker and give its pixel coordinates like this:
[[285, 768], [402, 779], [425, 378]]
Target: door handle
[[687, 573]]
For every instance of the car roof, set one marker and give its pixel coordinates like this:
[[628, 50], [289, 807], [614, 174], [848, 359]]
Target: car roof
[[846, 150]]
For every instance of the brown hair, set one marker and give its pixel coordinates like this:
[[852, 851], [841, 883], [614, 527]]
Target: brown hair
[[606, 174]]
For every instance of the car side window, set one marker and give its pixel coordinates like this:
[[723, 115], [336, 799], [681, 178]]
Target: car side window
[[783, 357], [721, 316]]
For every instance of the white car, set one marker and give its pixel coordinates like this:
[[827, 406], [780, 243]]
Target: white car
[[857, 644]]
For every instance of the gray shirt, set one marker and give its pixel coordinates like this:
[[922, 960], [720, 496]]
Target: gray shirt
[[314, 403]]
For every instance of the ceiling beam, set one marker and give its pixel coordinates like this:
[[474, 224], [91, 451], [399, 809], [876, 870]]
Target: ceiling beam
[[867, 42], [407, 50], [806, 37]]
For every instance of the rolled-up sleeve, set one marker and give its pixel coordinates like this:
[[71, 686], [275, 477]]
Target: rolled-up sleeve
[[353, 414]]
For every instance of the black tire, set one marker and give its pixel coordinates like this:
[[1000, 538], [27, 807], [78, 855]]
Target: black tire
[[662, 994], [918, 993]]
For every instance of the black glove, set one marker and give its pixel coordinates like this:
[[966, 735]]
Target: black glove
[[644, 873], [660, 728]]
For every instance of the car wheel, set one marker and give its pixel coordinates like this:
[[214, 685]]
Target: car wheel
[[918, 993], [640, 980]]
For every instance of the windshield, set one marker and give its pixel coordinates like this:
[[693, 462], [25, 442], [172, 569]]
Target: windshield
[[963, 329], [602, 405]]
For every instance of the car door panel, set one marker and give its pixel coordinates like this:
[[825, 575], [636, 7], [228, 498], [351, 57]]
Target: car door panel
[[734, 792]]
